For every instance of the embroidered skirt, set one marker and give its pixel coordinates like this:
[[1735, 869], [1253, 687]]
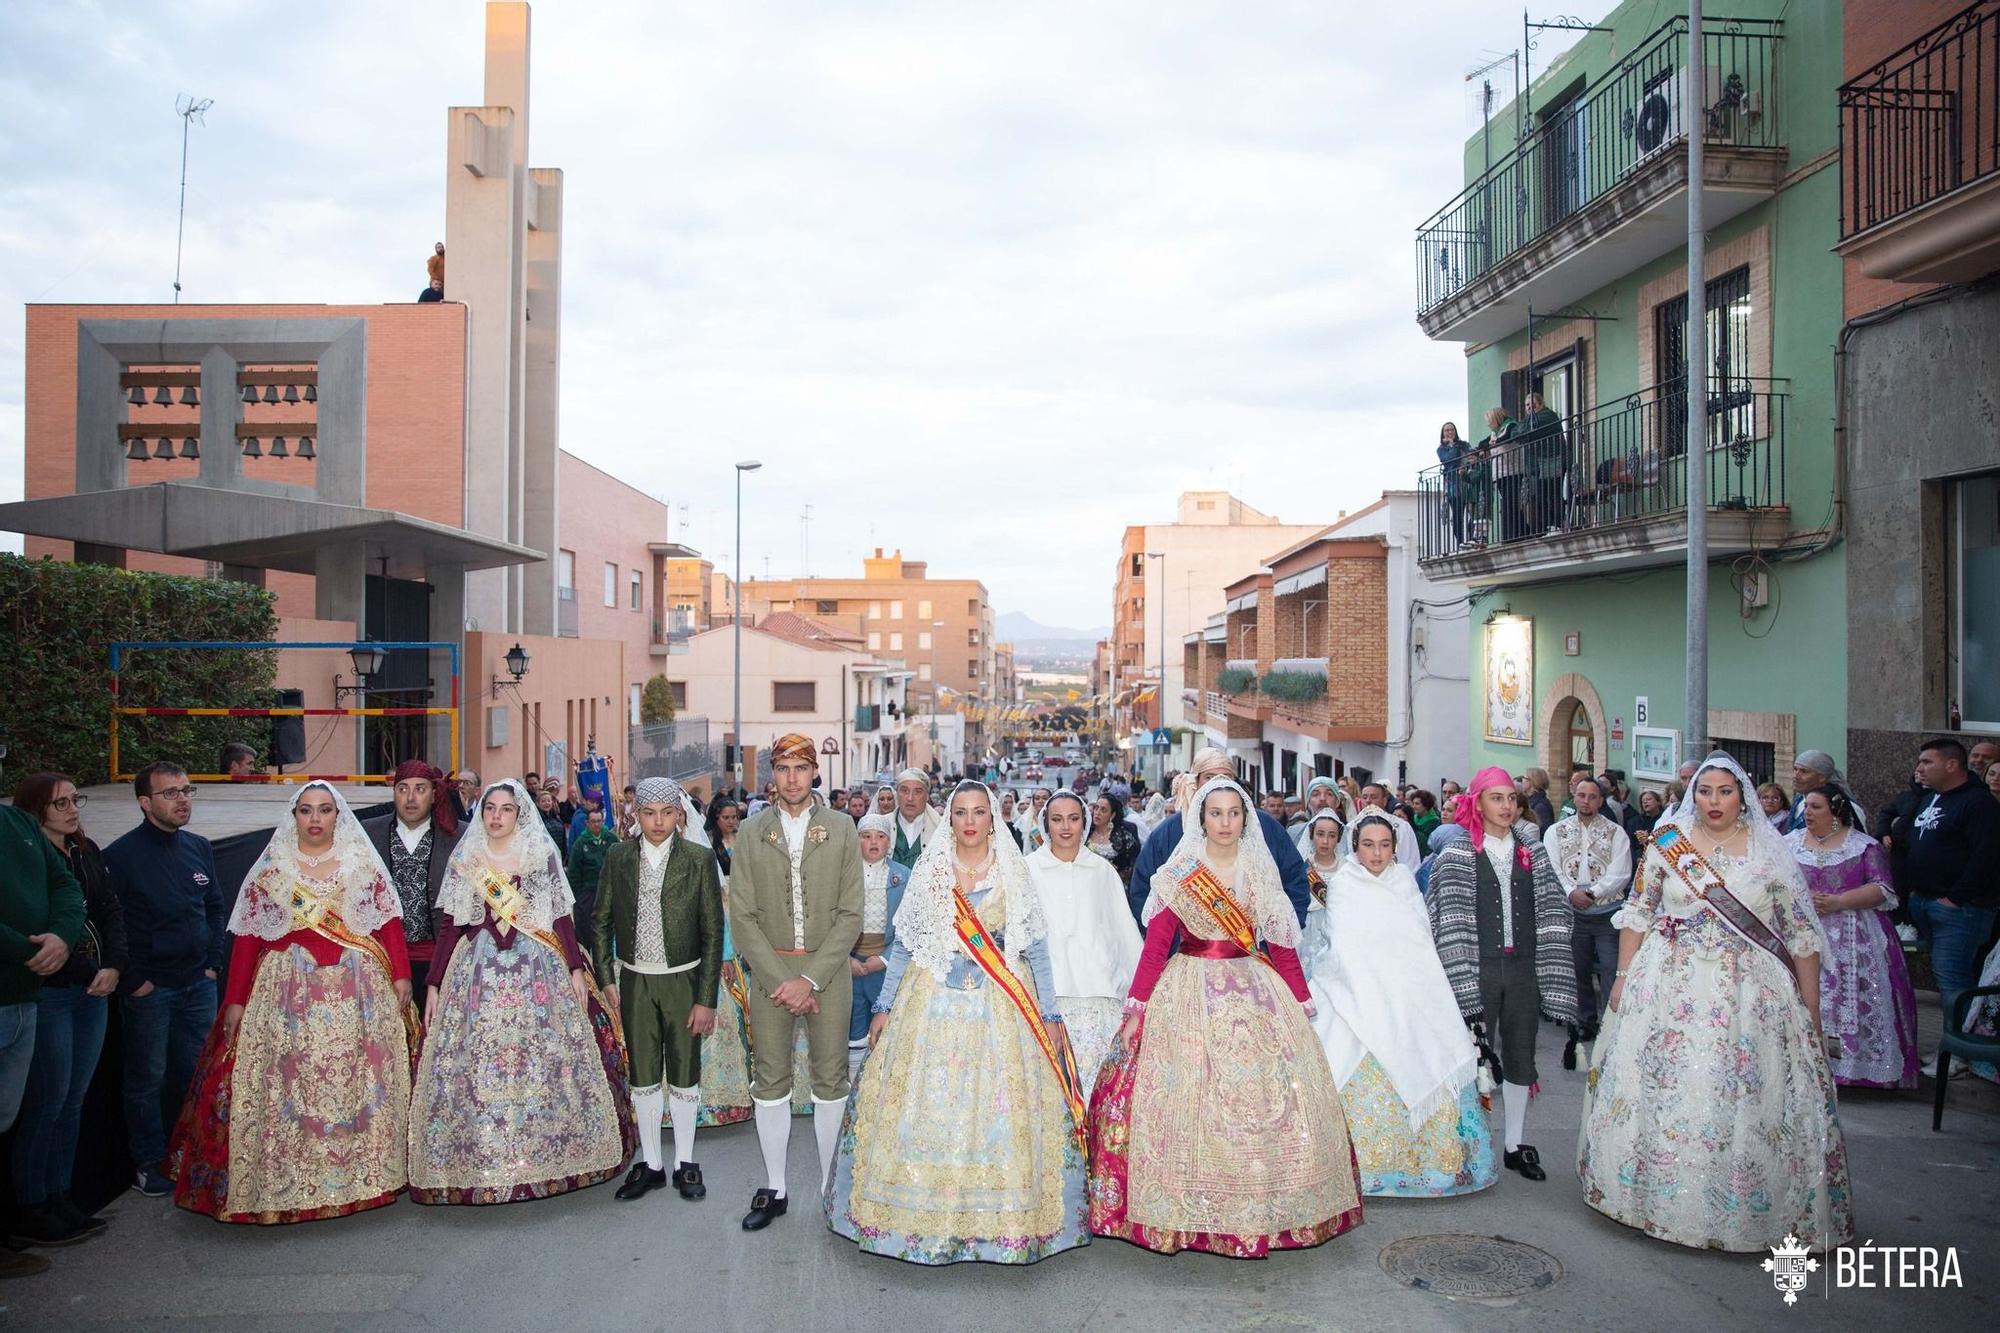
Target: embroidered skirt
[[1093, 1023], [305, 1114], [1450, 1153], [521, 1092], [1222, 1131], [725, 1057], [957, 1144]]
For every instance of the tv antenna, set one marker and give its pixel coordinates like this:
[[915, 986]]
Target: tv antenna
[[805, 533], [190, 110]]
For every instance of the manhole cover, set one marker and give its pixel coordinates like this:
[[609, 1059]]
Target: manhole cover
[[1470, 1268]]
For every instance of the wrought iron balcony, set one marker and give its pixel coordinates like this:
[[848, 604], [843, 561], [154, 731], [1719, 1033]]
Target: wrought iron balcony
[[1592, 193], [1609, 486], [1920, 155]]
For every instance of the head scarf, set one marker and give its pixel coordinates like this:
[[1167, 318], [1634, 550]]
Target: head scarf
[[792, 745], [914, 775], [876, 822], [926, 923], [1258, 890], [441, 812], [1042, 820], [544, 889], [361, 893], [1820, 762], [1323, 816], [882, 795], [1769, 853], [1469, 817], [660, 791]]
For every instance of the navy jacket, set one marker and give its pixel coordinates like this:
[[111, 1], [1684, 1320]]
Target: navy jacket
[[176, 917], [1161, 842]]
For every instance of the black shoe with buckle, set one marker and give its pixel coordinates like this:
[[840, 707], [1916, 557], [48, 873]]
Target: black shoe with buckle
[[765, 1208], [641, 1180], [687, 1179], [1569, 1054], [1527, 1161]]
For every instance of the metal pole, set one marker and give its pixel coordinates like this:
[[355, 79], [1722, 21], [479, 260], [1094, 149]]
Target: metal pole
[[1695, 435], [180, 219], [736, 629]]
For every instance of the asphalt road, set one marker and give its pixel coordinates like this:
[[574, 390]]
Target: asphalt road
[[585, 1261]]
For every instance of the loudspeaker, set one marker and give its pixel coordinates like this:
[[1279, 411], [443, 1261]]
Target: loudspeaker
[[288, 734]]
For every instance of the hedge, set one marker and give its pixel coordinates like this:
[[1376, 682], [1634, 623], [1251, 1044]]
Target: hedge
[[1235, 680], [60, 620], [1294, 686]]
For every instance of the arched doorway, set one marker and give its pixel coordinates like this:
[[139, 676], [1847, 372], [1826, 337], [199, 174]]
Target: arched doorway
[[1574, 727]]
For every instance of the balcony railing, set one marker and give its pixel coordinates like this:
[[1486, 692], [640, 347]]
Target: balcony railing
[[1582, 152], [1615, 463], [1923, 122]]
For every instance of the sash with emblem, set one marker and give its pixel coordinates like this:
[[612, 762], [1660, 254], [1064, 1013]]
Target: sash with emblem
[[980, 947], [322, 917], [1706, 883], [1217, 905], [501, 898]]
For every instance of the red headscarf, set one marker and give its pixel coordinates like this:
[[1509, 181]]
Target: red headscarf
[[1468, 815], [441, 811]]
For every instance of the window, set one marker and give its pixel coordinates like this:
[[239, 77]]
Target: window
[[1973, 571], [972, 607], [874, 641], [793, 696], [874, 610], [1138, 565], [827, 606], [1731, 404], [923, 641], [633, 718], [679, 690], [1759, 758], [895, 643], [638, 592], [972, 638], [923, 610], [972, 668], [610, 584], [923, 671], [566, 572], [895, 610], [1204, 506]]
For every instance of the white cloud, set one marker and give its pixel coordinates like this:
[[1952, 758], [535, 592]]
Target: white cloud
[[986, 282]]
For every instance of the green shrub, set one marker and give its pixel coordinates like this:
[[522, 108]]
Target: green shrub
[[59, 620], [1294, 686], [1235, 680]]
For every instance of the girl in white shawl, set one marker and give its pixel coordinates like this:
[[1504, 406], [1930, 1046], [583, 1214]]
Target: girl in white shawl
[[1093, 943], [1399, 1050]]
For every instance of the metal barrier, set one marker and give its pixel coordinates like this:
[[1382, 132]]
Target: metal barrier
[[680, 750]]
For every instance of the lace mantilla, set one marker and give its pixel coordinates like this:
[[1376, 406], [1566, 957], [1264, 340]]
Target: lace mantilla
[[355, 882], [926, 923]]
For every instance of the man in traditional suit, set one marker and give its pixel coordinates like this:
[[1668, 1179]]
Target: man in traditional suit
[[658, 932], [415, 841], [795, 898], [882, 882], [915, 820]]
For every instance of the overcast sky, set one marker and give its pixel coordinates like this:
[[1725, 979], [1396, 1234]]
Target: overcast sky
[[983, 281]]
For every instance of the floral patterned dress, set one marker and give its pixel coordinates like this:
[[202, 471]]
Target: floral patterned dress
[[1711, 1119], [1865, 998]]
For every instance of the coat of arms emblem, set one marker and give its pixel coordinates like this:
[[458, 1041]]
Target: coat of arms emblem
[[1790, 1265]]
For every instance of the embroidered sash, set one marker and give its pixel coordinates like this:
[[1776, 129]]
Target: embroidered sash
[[1707, 884], [739, 991], [1317, 883], [320, 916], [504, 901], [979, 944], [1221, 909]]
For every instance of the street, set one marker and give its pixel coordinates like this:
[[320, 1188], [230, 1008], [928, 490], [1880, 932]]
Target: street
[[586, 1261]]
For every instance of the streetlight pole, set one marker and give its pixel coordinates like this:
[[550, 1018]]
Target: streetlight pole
[[1160, 695], [736, 629], [1694, 435]]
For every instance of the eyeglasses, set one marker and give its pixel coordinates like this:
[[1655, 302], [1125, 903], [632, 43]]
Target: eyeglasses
[[176, 793], [76, 802]]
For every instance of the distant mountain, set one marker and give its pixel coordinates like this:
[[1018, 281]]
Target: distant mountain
[[1017, 628]]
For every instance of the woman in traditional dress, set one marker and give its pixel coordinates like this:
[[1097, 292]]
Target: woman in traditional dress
[[962, 1140], [1093, 943], [1399, 1050], [1710, 1119], [300, 1105], [521, 1093], [1320, 846], [1866, 1004], [1216, 1125]]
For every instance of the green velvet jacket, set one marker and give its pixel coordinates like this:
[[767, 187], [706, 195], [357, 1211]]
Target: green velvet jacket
[[690, 913]]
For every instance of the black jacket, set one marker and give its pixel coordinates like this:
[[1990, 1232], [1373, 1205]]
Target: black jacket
[[382, 828], [103, 941]]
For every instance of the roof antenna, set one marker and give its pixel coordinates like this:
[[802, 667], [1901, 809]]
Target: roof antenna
[[190, 110]]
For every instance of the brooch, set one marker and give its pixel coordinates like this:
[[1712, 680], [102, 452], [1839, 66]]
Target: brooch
[[772, 837], [816, 834]]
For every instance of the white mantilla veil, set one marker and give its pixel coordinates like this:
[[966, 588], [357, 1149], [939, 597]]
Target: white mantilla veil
[[1089, 818], [1259, 889], [530, 853], [1769, 853], [366, 899], [926, 922]]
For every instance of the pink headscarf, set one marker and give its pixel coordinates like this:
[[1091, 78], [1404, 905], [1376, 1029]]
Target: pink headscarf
[[1469, 817]]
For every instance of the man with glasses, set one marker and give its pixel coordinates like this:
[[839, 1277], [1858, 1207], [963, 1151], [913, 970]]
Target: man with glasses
[[176, 919], [464, 795]]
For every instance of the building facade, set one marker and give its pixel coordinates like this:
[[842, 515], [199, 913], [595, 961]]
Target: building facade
[[1562, 269], [1920, 237]]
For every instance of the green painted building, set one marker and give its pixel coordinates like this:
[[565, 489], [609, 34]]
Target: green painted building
[[1562, 269]]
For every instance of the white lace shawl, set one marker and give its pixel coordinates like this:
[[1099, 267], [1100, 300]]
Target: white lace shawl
[[545, 891], [366, 900], [926, 923], [1258, 889]]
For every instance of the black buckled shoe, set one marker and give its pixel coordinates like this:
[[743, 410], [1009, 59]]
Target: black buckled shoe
[[687, 1179], [1527, 1161], [1569, 1054], [641, 1180], [765, 1208]]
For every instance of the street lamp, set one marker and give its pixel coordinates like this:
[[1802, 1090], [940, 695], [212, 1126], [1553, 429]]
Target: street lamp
[[748, 465], [367, 660], [516, 661], [1160, 696]]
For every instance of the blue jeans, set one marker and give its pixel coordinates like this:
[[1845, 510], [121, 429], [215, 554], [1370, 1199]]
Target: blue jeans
[[69, 1034], [1955, 936], [163, 1033], [17, 1051]]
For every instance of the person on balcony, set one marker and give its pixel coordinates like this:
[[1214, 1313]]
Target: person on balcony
[[1452, 454], [1547, 461]]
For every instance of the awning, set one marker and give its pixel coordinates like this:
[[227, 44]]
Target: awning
[[1244, 603], [1305, 578], [258, 531]]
